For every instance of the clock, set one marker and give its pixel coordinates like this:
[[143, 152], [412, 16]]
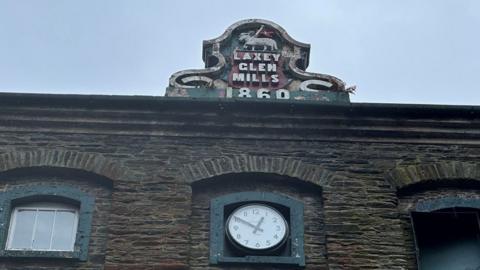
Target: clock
[[256, 228]]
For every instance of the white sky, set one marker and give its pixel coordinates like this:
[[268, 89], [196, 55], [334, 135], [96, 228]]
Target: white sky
[[409, 51]]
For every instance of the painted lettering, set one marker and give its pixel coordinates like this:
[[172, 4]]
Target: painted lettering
[[271, 67], [229, 92], [238, 77], [261, 67], [244, 93], [275, 78], [263, 93], [235, 56], [242, 66], [282, 94]]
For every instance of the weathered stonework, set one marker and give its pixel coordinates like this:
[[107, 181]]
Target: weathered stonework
[[90, 162], [153, 164], [245, 163], [451, 170]]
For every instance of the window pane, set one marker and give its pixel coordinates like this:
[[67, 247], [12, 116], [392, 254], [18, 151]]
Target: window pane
[[64, 232], [448, 240], [22, 237], [43, 231]]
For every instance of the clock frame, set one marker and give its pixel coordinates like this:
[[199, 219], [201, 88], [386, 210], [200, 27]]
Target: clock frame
[[223, 251]]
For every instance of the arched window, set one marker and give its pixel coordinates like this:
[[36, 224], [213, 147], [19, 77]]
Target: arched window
[[44, 226], [447, 233], [45, 221]]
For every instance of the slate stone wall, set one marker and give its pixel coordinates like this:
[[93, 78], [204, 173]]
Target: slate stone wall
[[155, 171]]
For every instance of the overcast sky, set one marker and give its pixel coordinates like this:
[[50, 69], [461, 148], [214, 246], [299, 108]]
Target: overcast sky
[[407, 51]]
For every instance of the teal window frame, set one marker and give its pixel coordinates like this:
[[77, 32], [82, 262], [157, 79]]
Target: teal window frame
[[218, 237], [40, 193]]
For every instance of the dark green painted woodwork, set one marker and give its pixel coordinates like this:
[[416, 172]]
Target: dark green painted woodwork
[[294, 254], [24, 194]]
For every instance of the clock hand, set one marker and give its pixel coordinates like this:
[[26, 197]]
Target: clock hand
[[246, 222], [257, 228]]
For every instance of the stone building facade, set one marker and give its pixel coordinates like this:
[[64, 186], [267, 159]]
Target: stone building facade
[[144, 173]]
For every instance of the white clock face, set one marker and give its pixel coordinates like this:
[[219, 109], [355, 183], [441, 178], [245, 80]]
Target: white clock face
[[257, 227]]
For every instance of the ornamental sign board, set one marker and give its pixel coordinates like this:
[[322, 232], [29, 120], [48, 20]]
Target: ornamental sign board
[[256, 59]]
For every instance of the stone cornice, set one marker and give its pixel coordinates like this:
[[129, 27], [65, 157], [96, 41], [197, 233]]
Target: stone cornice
[[302, 121]]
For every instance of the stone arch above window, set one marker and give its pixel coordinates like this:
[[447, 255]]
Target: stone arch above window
[[209, 168], [447, 202], [94, 163], [405, 176]]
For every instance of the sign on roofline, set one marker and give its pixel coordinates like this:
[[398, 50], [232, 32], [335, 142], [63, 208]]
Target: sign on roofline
[[256, 59]]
